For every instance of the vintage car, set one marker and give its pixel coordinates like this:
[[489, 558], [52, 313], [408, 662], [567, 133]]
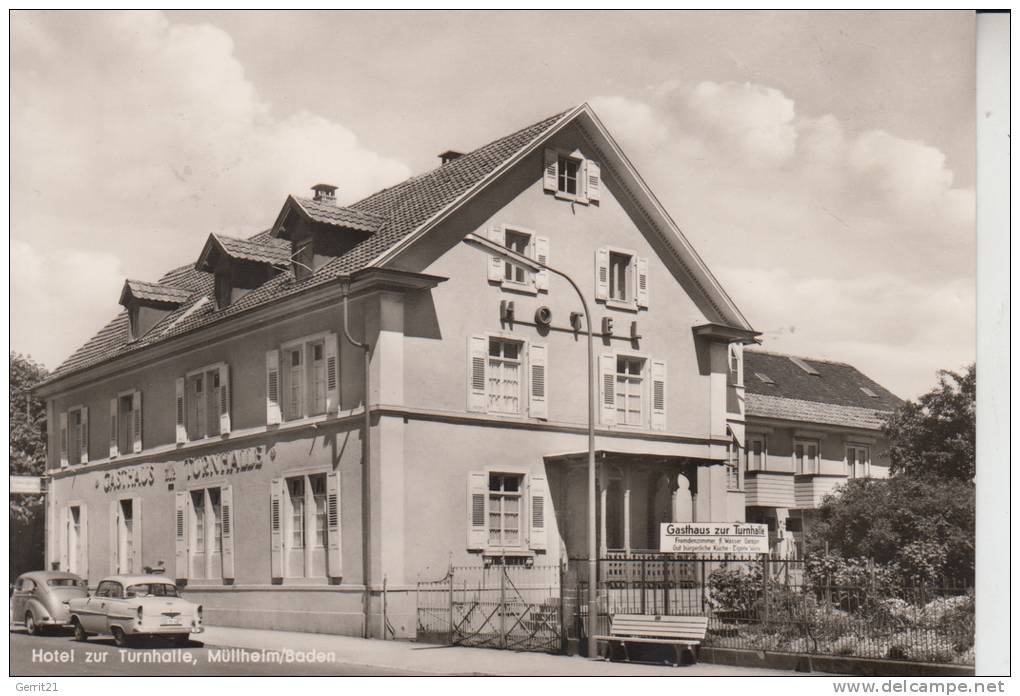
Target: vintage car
[[135, 606], [40, 598]]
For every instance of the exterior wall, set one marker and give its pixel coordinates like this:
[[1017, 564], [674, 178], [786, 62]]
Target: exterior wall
[[770, 489], [467, 304]]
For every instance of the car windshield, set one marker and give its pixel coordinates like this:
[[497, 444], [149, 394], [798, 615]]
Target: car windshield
[[65, 582], [152, 589]]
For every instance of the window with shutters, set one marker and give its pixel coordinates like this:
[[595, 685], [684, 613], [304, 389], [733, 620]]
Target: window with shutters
[[515, 277], [858, 461], [204, 402], [308, 374], [506, 502], [569, 175], [77, 436], [805, 456], [755, 453], [206, 524], [504, 376], [621, 278], [306, 524], [629, 394]]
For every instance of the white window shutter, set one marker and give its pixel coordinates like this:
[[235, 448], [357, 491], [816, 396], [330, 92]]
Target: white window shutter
[[601, 274], [496, 264], [227, 524], [114, 536], [114, 449], [542, 256], [478, 359], [582, 179], [224, 399], [332, 375], [136, 536], [65, 530], [63, 442], [182, 429], [539, 494], [593, 180], [83, 542], [276, 527], [136, 419], [477, 512], [538, 404], [83, 435], [181, 546], [607, 388], [641, 291], [272, 387], [549, 172], [658, 395], [334, 567]]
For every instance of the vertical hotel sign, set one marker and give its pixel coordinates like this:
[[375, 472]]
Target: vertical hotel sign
[[713, 537]]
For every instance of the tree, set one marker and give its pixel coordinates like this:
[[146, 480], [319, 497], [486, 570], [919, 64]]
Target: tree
[[934, 436], [921, 528], [27, 418], [27, 458]]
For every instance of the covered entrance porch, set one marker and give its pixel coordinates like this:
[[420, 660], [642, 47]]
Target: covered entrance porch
[[635, 492]]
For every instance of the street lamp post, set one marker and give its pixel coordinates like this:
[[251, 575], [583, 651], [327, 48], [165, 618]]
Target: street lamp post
[[533, 265]]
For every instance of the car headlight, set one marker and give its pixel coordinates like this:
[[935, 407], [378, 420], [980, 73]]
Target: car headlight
[[139, 613]]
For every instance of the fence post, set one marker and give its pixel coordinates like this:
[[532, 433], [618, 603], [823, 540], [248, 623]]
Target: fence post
[[644, 584], [704, 588], [502, 606], [449, 574], [765, 587]]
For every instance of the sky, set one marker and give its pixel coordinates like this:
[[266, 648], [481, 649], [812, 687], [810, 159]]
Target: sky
[[822, 163]]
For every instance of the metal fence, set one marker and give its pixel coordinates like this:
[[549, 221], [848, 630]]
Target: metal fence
[[513, 607], [777, 605]]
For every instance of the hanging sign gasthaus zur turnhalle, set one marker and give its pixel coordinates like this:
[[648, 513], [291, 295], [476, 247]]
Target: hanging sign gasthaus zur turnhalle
[[713, 537]]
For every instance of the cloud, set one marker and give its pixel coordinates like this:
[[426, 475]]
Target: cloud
[[897, 332], [182, 142], [631, 117], [756, 121], [859, 241]]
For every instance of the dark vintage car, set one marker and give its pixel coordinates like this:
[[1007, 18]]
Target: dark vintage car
[[41, 597]]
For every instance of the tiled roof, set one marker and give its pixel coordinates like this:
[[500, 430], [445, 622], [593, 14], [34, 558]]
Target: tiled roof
[[331, 214], [835, 395], [398, 210], [836, 382], [765, 406], [154, 292], [272, 251]]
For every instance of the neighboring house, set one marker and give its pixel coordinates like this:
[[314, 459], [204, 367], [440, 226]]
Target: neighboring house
[[811, 425], [215, 426]]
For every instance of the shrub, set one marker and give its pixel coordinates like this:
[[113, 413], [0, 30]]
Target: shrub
[[735, 589]]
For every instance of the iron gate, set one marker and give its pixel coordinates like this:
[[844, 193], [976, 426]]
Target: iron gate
[[511, 607]]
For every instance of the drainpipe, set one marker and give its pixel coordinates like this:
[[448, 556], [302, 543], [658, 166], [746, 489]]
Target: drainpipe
[[366, 470]]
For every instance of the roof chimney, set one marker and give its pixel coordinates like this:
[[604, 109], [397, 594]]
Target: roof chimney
[[325, 193], [449, 156]]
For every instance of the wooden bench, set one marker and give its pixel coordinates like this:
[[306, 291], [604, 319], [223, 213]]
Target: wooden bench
[[684, 633]]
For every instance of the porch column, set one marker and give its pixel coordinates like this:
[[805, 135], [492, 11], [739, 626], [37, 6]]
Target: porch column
[[626, 516], [602, 519]]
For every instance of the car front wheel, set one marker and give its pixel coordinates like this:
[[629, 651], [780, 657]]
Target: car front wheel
[[30, 625], [79, 633]]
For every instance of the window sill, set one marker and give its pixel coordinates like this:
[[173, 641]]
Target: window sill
[[572, 197], [622, 305], [305, 582], [522, 288]]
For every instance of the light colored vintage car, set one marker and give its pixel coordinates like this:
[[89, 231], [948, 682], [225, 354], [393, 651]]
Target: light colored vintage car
[[135, 606], [40, 598]]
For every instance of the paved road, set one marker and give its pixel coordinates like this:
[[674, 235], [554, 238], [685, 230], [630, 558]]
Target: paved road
[[59, 655]]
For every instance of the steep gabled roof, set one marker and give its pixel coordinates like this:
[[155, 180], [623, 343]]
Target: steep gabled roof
[[152, 292], [399, 210], [268, 251], [812, 390]]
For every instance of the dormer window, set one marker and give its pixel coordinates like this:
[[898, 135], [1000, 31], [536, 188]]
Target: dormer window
[[303, 259], [148, 303], [241, 265]]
